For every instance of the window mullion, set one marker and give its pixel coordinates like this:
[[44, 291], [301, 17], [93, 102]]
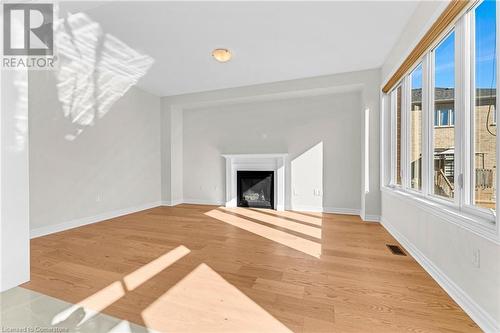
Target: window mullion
[[406, 154], [427, 156], [462, 111], [497, 218], [393, 115]]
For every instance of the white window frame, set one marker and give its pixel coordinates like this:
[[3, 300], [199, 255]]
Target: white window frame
[[394, 144], [440, 118], [469, 82], [407, 110], [459, 210], [393, 137], [432, 112]]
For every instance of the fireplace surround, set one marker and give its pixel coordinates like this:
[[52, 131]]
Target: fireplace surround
[[271, 163]]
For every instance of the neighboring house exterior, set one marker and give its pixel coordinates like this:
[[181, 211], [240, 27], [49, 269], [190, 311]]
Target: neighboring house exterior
[[444, 143]]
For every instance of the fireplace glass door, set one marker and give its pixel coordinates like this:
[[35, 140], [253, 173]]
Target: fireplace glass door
[[255, 189]]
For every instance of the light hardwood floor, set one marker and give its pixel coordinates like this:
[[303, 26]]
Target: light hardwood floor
[[194, 268]]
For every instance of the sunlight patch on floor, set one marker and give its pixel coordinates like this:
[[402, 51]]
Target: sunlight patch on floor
[[300, 244], [146, 272], [306, 217], [277, 221], [97, 302], [203, 301], [93, 304]]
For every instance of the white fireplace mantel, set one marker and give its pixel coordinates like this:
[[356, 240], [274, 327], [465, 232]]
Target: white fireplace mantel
[[256, 162]]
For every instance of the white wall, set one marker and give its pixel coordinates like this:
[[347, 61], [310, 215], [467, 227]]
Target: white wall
[[444, 248], [321, 134], [14, 180], [422, 19], [366, 82], [81, 171]]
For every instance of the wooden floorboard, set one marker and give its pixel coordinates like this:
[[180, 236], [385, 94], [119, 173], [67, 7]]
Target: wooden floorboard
[[194, 268]]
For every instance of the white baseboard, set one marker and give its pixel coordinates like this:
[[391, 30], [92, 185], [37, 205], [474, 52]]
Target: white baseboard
[[298, 208], [333, 210], [171, 203], [371, 218], [303, 208], [203, 202], [336, 210], [280, 208], [483, 319], [42, 231], [345, 211]]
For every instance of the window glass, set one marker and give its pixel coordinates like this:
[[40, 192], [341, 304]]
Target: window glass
[[416, 129], [444, 130], [483, 113]]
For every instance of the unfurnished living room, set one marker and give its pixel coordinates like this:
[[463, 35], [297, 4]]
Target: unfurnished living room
[[249, 166]]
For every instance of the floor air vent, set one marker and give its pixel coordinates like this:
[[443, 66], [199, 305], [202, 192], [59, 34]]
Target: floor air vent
[[396, 250]]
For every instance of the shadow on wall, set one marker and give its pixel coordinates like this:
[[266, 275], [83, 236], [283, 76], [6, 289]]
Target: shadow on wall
[[94, 70], [306, 179]]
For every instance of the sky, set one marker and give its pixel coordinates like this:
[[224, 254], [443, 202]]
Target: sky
[[484, 52], [485, 44]]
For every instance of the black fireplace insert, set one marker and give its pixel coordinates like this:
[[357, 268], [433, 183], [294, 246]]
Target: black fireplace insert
[[255, 189]]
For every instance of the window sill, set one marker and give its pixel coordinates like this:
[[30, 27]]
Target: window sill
[[476, 224]]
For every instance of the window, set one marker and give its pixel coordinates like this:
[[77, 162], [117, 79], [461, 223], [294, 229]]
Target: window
[[443, 115], [416, 129], [398, 135], [443, 139], [483, 112], [445, 126]]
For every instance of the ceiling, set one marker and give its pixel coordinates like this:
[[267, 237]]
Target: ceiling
[[270, 41]]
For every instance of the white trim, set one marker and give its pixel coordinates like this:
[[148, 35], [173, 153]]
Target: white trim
[[497, 218], [203, 202], [343, 211], [427, 151], [50, 229], [300, 208], [394, 136], [261, 162], [371, 218], [461, 110], [384, 178], [405, 131], [408, 124], [257, 156], [331, 210], [171, 203], [485, 321]]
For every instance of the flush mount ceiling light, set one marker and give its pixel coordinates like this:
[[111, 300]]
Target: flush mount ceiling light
[[222, 55]]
